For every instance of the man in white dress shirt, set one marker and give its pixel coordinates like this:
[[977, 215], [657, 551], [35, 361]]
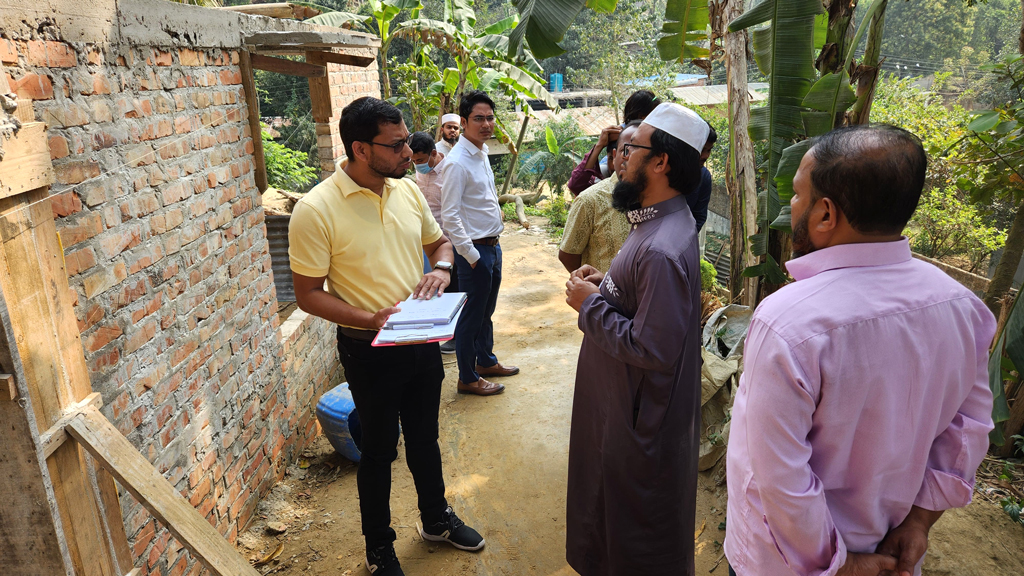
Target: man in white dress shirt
[[450, 125], [472, 219]]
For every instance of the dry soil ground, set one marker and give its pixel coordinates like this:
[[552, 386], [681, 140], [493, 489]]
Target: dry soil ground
[[505, 466]]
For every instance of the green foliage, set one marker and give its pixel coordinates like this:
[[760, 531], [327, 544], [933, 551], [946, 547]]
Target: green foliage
[[543, 23], [945, 225], [708, 276], [553, 153], [685, 29], [508, 212], [1012, 506], [286, 168], [556, 211]]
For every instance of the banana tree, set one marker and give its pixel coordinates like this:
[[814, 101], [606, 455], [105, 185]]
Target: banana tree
[[684, 31], [555, 156], [384, 13]]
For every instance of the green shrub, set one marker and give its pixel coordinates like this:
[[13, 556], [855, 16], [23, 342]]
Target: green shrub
[[557, 211], [947, 225], [708, 276], [286, 168]]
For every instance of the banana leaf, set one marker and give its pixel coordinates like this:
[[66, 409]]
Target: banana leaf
[[525, 82], [503, 25], [549, 138], [686, 24], [461, 14], [1010, 345], [342, 20], [542, 24], [439, 34]]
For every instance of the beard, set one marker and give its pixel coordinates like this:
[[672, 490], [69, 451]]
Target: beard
[[451, 140], [386, 170], [802, 244], [626, 194]]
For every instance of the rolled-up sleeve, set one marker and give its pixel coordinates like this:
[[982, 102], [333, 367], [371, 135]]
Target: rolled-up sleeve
[[582, 178], [958, 451], [453, 187], [781, 400]]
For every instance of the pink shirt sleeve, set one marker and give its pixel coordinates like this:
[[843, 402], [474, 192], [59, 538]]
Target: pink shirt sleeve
[[582, 178], [782, 400], [958, 451]]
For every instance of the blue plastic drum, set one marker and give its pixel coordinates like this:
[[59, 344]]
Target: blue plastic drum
[[338, 417]]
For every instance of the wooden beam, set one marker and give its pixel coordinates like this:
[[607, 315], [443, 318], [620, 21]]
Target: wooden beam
[[289, 67], [56, 434], [26, 164], [252, 104], [362, 61], [115, 453], [8, 391], [312, 40], [24, 112], [277, 10], [319, 91]]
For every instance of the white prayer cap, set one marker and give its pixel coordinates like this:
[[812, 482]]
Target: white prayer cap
[[450, 118], [681, 122]]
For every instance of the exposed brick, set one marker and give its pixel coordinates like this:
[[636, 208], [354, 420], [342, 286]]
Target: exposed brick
[[160, 58], [100, 337], [58, 147], [79, 260], [33, 86], [87, 226], [65, 204], [141, 336], [8, 52], [76, 171]]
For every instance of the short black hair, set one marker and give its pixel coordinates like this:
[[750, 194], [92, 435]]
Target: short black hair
[[874, 173], [472, 98], [361, 120], [639, 105], [422, 143], [712, 136], [685, 172]]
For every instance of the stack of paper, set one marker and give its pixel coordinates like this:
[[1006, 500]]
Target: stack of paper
[[420, 321], [438, 310]]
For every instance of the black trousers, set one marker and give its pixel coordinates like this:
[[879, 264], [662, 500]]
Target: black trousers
[[399, 383]]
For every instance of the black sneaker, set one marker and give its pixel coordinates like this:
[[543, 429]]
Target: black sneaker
[[448, 347], [453, 531], [381, 561]]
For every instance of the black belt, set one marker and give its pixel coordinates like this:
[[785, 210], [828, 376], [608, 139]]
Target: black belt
[[490, 241], [357, 334]]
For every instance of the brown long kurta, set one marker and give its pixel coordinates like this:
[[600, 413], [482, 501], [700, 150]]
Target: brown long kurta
[[636, 412]]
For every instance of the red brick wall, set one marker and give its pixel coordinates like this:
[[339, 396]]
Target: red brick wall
[[166, 251], [347, 84]]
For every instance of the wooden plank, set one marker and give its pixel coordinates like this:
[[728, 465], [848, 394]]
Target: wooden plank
[[312, 40], [24, 112], [8, 391], [319, 91], [54, 436], [277, 10], [26, 164], [362, 61], [113, 519], [31, 538], [289, 67], [33, 279], [252, 102], [156, 494]]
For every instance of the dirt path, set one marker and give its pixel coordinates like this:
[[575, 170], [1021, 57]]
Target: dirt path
[[505, 465]]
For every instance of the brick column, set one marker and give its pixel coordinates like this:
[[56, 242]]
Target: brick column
[[329, 96]]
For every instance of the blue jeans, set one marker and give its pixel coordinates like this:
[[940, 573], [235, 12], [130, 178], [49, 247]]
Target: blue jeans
[[474, 335]]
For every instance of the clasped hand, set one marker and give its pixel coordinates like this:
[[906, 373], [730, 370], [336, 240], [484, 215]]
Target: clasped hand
[[583, 282]]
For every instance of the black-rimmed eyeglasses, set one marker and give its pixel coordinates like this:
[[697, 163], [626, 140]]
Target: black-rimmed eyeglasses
[[626, 149], [396, 147]]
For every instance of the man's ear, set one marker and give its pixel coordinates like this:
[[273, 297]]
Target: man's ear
[[359, 151], [825, 215], [661, 164]]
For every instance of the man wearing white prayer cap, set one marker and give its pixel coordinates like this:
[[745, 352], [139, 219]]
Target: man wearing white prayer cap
[[450, 124], [635, 429]]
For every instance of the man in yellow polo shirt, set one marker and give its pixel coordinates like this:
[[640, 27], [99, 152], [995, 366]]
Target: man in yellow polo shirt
[[363, 231]]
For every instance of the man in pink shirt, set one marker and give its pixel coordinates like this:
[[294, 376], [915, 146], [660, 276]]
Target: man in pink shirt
[[864, 408]]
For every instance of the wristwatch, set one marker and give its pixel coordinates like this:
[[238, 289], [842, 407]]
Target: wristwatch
[[442, 265]]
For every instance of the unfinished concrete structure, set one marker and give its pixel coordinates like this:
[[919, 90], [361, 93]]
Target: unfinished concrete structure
[[158, 210]]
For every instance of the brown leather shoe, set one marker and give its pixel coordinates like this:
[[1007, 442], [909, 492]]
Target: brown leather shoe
[[497, 370], [481, 388]]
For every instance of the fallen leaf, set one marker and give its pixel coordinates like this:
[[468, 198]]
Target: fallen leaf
[[269, 557], [303, 463], [703, 525]]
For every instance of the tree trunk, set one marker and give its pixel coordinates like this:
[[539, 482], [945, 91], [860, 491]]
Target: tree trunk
[[514, 166], [740, 172], [1002, 281], [1020, 40], [520, 208], [866, 74], [385, 76]]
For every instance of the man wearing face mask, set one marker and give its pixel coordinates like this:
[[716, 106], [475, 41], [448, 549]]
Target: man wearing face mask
[[427, 161], [633, 442], [450, 127]]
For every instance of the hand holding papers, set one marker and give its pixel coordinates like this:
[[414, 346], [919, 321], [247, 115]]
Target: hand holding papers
[[419, 324]]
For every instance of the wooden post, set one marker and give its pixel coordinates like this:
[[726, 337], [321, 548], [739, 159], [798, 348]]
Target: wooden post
[[252, 101], [740, 173]]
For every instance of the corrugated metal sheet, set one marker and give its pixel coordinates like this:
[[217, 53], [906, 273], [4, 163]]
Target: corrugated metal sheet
[[714, 95], [277, 236]]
